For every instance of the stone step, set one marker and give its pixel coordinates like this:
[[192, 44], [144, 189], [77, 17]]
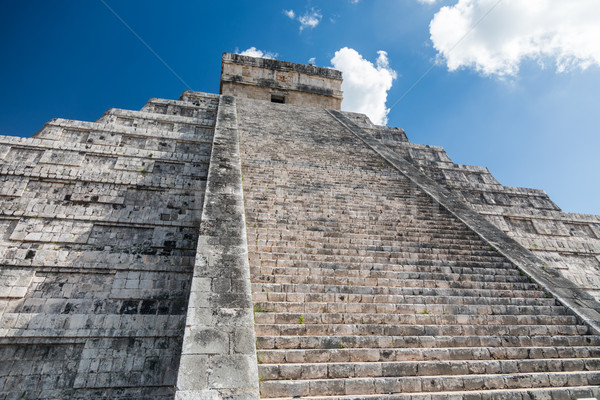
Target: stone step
[[420, 228], [306, 303], [297, 180], [400, 280], [369, 232], [347, 250], [283, 193], [177, 123], [395, 246], [348, 229], [401, 259], [431, 384], [400, 342], [554, 393], [330, 268], [401, 226], [265, 318], [304, 244], [400, 272], [270, 372], [181, 108], [292, 183], [324, 207], [423, 354], [341, 247], [423, 290], [365, 287], [401, 247], [293, 211], [370, 277], [321, 212], [415, 330], [200, 98], [309, 241], [398, 220], [391, 239]]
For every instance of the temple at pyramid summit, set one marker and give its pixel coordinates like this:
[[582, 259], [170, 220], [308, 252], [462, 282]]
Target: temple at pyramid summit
[[262, 243]]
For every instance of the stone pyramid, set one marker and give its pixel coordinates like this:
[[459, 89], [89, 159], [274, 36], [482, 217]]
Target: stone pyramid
[[262, 243]]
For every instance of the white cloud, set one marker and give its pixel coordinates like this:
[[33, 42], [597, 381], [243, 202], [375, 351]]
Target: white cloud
[[427, 1], [566, 33], [365, 85], [311, 19], [312, 60], [254, 52]]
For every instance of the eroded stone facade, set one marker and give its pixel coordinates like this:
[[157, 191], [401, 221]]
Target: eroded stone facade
[[99, 233], [148, 254], [281, 82]]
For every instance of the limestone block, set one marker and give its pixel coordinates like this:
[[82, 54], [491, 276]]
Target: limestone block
[[193, 372], [44, 230], [197, 395], [233, 371], [498, 221], [205, 340], [62, 158], [13, 187], [580, 230], [23, 156], [134, 164], [4, 150], [15, 281], [550, 228], [596, 229], [520, 225], [104, 138], [160, 144], [584, 270], [71, 135]]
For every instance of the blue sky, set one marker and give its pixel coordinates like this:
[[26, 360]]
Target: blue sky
[[525, 107]]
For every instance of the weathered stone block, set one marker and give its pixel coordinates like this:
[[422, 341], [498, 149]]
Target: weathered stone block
[[206, 341], [193, 372], [233, 371]]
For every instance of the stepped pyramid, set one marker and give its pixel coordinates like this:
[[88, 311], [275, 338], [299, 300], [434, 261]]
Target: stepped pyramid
[[263, 243]]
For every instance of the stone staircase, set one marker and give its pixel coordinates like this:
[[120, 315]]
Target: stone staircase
[[365, 288]]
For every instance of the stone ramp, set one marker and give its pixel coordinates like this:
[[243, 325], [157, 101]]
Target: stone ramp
[[364, 287]]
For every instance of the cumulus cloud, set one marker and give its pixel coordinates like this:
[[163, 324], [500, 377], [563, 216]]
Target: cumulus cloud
[[365, 85], [566, 33], [254, 52], [310, 19], [312, 60]]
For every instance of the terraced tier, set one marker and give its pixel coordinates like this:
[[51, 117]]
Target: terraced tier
[[99, 225], [365, 288]]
